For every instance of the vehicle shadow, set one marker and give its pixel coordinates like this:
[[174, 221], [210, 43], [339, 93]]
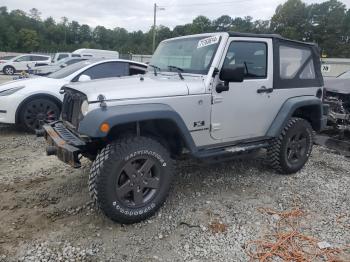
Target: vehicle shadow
[[8, 129]]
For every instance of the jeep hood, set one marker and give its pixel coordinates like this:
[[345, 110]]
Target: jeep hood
[[336, 85], [132, 87]]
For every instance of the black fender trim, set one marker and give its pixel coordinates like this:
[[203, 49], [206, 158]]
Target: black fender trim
[[287, 110], [123, 114]]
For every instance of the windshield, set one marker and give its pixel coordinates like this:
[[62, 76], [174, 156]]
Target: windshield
[[64, 72], [191, 55]]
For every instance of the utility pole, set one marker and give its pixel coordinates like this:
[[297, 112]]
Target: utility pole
[[155, 8], [154, 27]]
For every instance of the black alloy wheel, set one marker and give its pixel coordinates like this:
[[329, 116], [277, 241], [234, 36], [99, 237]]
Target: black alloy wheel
[[297, 146], [291, 150], [138, 181], [38, 111], [130, 178]]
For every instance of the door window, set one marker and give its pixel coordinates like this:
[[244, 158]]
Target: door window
[[251, 55], [105, 70], [38, 58], [23, 59]]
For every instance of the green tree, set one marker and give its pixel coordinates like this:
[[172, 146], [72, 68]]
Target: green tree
[[291, 20], [35, 14], [328, 23], [201, 24], [28, 40], [223, 23]]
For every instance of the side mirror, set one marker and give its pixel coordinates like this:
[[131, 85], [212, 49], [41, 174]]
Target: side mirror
[[233, 73], [63, 65], [84, 78]]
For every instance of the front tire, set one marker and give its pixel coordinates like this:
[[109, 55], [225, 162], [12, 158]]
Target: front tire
[[9, 70], [130, 179], [37, 111], [289, 152]]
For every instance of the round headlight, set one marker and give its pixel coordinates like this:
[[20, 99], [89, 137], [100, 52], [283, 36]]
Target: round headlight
[[84, 107]]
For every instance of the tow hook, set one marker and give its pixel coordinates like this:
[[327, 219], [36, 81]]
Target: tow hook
[[51, 151]]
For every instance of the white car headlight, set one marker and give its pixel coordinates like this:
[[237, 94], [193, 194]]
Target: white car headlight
[[85, 107], [11, 91]]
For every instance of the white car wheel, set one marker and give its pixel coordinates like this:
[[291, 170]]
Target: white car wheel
[[9, 70]]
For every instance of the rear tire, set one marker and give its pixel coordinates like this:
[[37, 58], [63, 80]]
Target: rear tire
[[289, 152], [130, 179], [36, 111], [9, 70]]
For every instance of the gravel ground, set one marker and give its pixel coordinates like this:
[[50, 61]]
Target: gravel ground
[[46, 213], [5, 78]]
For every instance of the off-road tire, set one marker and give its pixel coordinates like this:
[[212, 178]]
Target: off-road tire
[[277, 153], [9, 70], [109, 166]]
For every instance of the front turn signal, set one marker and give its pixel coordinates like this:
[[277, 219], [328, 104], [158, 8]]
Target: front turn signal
[[105, 127]]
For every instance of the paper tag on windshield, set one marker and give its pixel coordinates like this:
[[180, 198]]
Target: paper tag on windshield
[[208, 41]]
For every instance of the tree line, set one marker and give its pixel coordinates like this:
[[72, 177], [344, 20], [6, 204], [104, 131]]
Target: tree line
[[327, 24]]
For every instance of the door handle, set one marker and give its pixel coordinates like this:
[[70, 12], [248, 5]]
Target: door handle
[[263, 89]]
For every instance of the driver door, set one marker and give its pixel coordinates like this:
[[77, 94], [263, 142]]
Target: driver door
[[244, 111]]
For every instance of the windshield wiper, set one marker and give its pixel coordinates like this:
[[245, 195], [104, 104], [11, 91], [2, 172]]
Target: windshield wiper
[[155, 69], [179, 70]]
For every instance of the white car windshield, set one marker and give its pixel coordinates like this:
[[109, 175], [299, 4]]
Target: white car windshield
[[188, 55], [64, 72]]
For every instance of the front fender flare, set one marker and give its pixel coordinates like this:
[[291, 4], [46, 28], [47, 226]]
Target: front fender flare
[[123, 114]]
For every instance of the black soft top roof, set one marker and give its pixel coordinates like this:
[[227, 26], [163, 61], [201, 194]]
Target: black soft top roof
[[273, 36]]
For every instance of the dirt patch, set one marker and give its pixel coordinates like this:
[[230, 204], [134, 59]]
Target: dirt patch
[[211, 214]]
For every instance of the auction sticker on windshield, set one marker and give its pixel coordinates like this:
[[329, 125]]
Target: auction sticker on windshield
[[208, 41]]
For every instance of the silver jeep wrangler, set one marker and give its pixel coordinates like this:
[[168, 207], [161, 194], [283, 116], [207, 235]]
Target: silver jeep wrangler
[[215, 95]]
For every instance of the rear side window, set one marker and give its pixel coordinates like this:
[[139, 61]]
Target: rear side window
[[296, 63], [110, 69], [252, 55], [75, 55], [38, 58]]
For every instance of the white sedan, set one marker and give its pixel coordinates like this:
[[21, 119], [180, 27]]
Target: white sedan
[[32, 101]]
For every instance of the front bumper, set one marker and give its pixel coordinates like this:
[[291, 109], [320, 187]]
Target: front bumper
[[63, 143], [8, 108]]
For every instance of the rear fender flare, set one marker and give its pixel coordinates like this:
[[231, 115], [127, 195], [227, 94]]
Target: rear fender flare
[[288, 109]]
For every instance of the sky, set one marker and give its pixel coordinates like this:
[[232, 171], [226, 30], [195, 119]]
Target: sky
[[136, 15]]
